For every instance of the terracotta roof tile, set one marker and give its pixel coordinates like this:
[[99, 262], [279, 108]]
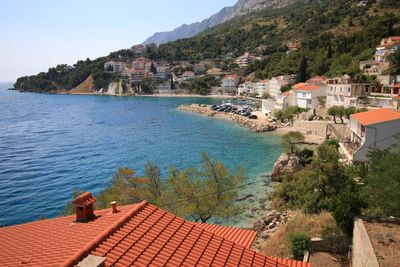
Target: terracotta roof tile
[[138, 235], [84, 200], [309, 88], [376, 116], [299, 85]]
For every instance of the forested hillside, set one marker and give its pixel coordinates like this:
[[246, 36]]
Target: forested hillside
[[333, 35]]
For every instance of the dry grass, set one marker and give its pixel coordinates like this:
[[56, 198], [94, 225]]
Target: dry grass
[[86, 87], [385, 239], [277, 245]]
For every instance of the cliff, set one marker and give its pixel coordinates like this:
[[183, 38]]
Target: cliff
[[242, 7]]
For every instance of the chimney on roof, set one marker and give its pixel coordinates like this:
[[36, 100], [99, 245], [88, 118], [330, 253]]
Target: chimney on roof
[[84, 207], [114, 206]]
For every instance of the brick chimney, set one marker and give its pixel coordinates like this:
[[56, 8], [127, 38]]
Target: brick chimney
[[84, 207]]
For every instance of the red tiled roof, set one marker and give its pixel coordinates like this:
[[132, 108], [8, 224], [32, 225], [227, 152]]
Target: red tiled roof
[[84, 200], [288, 93], [52, 242], [232, 76], [376, 116], [240, 236], [138, 235], [316, 79], [309, 88], [299, 85]]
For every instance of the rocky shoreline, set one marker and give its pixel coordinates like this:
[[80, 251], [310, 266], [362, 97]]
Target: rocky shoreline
[[253, 124]]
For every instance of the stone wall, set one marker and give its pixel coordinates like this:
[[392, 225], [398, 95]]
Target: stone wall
[[363, 254]]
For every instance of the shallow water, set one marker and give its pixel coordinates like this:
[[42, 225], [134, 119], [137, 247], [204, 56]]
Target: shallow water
[[51, 145]]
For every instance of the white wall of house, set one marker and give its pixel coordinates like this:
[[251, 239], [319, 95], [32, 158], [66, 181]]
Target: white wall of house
[[309, 99], [275, 87], [380, 135], [344, 94], [229, 83], [268, 106], [262, 88]]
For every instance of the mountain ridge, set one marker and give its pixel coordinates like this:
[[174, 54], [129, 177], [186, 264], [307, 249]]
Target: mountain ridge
[[241, 8]]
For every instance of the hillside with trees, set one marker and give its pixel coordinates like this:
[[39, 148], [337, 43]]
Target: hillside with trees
[[328, 37]]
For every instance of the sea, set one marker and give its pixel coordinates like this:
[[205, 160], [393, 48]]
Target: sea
[[52, 145]]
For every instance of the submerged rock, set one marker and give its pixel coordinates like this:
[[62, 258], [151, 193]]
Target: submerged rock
[[286, 164], [244, 198]]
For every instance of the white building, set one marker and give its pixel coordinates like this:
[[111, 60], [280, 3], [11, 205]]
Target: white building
[[245, 60], [387, 46], [230, 81], [246, 88], [307, 96], [343, 92], [276, 83], [262, 87], [373, 129], [114, 66], [163, 72], [188, 75], [268, 107]]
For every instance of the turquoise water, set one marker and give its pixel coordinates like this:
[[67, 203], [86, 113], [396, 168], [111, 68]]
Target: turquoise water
[[51, 145]]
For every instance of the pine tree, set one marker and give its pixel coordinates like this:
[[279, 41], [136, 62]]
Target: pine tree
[[302, 73]]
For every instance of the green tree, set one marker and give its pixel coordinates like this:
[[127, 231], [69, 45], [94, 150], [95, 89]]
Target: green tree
[[298, 244], [382, 183], [333, 111], [290, 141], [153, 69], [395, 63], [302, 75], [208, 192], [324, 185]]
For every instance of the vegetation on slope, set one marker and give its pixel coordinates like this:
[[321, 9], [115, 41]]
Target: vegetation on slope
[[332, 36]]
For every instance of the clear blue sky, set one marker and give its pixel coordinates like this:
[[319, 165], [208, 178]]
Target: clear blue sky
[[38, 34]]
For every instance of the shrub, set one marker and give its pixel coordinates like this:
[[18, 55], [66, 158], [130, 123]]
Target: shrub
[[335, 239], [298, 243]]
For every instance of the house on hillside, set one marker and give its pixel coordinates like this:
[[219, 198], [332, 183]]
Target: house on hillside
[[262, 87], [142, 63], [373, 129], [307, 96], [245, 60], [387, 46], [230, 81], [246, 88], [163, 72], [276, 83], [138, 49], [188, 75], [342, 91], [134, 235], [317, 80], [113, 66]]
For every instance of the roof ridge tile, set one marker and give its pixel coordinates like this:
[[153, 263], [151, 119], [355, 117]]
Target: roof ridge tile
[[82, 253]]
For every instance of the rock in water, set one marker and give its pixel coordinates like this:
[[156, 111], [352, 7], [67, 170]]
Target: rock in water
[[286, 164]]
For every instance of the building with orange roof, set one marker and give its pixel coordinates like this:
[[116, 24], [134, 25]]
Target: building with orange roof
[[373, 129], [317, 80], [307, 96], [387, 46], [132, 235]]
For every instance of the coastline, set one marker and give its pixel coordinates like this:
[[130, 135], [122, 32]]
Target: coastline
[[256, 125]]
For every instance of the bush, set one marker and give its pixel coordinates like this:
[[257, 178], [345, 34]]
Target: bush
[[298, 243], [335, 239]]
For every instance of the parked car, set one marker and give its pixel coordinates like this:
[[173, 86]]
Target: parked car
[[253, 117]]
